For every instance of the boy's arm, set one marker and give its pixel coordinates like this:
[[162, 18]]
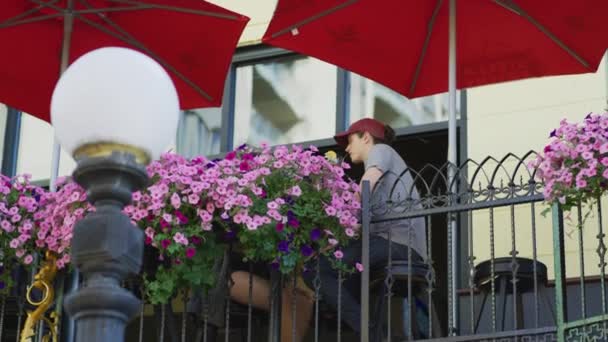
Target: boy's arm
[[372, 175]]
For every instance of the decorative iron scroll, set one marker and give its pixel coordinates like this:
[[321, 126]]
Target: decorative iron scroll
[[43, 281], [474, 184], [532, 335], [592, 332]]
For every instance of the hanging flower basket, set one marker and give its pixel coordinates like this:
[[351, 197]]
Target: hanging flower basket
[[59, 213], [19, 205], [574, 165], [175, 213], [285, 205]]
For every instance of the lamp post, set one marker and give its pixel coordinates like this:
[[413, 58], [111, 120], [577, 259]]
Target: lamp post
[[113, 109]]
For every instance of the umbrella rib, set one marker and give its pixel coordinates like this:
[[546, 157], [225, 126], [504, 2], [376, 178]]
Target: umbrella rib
[[6, 24], [313, 18], [49, 4], [179, 9], [22, 15], [515, 8], [112, 9], [127, 38], [425, 47]]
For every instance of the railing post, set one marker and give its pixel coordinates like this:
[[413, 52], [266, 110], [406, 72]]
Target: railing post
[[560, 271], [365, 222], [68, 328], [276, 287]]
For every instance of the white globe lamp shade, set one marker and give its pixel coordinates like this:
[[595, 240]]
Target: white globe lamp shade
[[115, 97]]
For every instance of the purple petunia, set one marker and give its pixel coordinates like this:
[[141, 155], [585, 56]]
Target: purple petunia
[[315, 234], [229, 235], [306, 250], [293, 222], [283, 246]]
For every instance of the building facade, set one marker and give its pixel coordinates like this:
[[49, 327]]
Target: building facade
[[279, 97]]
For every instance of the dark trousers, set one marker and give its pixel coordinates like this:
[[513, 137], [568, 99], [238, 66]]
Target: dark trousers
[[378, 259]]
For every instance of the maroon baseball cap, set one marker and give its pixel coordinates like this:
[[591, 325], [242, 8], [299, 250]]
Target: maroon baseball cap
[[372, 126]]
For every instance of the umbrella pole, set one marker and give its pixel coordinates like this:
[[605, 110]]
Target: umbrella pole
[[452, 159], [68, 25]]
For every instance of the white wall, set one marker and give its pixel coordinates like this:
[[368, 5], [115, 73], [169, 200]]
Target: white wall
[[517, 117], [259, 11]]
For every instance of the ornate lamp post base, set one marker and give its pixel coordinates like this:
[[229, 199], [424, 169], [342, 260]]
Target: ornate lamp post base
[[106, 247]]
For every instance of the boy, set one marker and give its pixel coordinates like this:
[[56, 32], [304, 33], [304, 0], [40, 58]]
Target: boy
[[367, 141]]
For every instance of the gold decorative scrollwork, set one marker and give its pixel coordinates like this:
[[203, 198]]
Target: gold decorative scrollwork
[[43, 281]]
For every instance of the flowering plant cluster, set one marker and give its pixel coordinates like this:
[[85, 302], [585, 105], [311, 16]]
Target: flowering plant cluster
[[59, 212], [19, 203], [574, 165], [278, 205], [176, 212], [286, 204]]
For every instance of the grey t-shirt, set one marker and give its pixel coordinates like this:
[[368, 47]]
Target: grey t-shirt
[[390, 163]]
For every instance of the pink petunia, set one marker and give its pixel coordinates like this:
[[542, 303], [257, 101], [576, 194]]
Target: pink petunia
[[295, 191], [581, 183], [193, 198], [176, 202], [331, 211]]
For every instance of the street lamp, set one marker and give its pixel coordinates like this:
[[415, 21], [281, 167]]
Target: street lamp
[[113, 109]]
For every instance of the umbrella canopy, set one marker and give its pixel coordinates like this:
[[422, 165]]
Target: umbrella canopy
[[192, 39], [403, 44]]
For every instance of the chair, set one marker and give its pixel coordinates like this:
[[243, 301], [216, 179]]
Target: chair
[[401, 270], [503, 279]]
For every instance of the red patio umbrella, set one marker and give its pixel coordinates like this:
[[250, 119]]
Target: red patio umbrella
[[420, 48], [403, 44], [194, 40]]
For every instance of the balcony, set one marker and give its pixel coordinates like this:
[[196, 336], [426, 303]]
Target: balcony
[[501, 265]]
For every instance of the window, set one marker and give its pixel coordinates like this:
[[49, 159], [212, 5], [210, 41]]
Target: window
[[199, 132], [36, 150], [3, 116], [287, 100], [370, 99]]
